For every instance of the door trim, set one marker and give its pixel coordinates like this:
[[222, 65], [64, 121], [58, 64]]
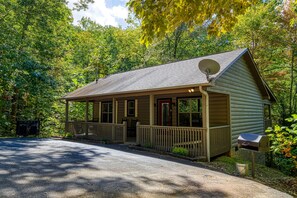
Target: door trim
[[158, 111]]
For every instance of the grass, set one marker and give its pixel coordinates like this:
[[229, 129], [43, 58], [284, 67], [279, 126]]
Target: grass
[[263, 174]]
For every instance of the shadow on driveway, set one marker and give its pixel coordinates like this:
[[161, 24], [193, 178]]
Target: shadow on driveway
[[54, 168]]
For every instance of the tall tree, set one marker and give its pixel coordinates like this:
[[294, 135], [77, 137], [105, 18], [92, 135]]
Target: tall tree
[[270, 32], [163, 16], [32, 39]]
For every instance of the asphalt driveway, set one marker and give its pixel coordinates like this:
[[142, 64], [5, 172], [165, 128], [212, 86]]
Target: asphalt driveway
[[56, 168]]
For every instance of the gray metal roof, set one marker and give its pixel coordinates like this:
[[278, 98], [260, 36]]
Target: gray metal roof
[[167, 76]]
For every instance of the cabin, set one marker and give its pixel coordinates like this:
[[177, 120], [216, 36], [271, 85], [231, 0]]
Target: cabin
[[177, 105]]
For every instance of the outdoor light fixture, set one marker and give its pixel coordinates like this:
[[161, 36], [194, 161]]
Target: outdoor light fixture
[[191, 90]]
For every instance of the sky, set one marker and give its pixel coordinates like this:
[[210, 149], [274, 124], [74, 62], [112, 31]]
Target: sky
[[103, 12]]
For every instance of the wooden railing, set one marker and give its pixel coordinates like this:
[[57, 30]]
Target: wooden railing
[[220, 140], [99, 131], [74, 127], [165, 138]]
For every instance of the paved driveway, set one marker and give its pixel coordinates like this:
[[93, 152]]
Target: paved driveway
[[56, 168]]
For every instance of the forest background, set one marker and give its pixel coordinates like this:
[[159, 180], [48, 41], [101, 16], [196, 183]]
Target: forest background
[[43, 55]]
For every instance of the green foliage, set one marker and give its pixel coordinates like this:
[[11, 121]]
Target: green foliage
[[163, 16], [180, 151], [68, 135], [284, 146], [33, 35], [267, 30]]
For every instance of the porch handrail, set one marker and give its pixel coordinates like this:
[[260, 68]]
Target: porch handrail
[[114, 132], [172, 127], [165, 138]]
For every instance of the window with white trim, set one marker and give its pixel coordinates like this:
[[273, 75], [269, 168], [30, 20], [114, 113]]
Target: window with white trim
[[190, 112], [131, 108]]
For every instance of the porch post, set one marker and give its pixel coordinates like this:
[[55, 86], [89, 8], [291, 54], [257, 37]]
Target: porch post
[[113, 120], [125, 108], [136, 108], [137, 132], [67, 116], [205, 103], [151, 117], [87, 117], [116, 111], [125, 131], [87, 111], [99, 113]]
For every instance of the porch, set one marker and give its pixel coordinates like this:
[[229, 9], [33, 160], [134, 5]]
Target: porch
[[161, 121]]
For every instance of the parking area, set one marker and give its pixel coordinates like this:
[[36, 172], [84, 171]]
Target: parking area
[[57, 168]]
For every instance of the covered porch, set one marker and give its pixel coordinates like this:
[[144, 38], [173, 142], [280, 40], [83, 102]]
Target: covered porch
[[190, 118]]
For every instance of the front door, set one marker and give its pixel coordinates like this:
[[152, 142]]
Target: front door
[[164, 112]]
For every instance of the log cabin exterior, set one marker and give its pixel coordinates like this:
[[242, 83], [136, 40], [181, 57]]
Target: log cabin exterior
[[175, 105]]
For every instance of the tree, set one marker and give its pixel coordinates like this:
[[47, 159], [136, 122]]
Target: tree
[[184, 44], [289, 23], [33, 35], [161, 17], [269, 31]]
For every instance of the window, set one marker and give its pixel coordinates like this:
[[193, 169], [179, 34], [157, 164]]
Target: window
[[131, 108], [190, 112], [106, 114]]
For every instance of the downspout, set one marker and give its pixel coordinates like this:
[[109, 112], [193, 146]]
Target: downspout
[[207, 122]]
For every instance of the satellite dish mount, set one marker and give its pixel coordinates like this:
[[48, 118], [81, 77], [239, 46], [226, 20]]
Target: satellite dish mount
[[209, 67]]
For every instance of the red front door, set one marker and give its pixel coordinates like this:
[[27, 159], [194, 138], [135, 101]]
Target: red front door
[[164, 112]]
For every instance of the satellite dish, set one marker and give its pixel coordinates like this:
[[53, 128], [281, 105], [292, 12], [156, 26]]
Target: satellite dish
[[209, 67]]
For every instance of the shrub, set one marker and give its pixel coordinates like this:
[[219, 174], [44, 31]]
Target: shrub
[[180, 151], [284, 146], [68, 135]]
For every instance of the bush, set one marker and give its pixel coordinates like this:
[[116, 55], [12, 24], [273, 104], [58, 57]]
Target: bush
[[180, 151], [68, 135], [284, 146]]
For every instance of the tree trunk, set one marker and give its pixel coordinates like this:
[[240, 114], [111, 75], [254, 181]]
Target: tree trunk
[[14, 108], [291, 82]]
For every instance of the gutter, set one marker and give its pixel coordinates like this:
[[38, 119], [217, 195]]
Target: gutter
[[119, 94], [207, 122]]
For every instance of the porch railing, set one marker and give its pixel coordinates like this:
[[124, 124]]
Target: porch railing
[[165, 138], [99, 131], [220, 140]]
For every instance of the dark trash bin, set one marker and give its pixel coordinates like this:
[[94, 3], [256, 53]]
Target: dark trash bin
[[26, 128]]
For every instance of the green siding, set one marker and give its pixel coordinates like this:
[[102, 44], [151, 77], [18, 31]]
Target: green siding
[[246, 103]]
